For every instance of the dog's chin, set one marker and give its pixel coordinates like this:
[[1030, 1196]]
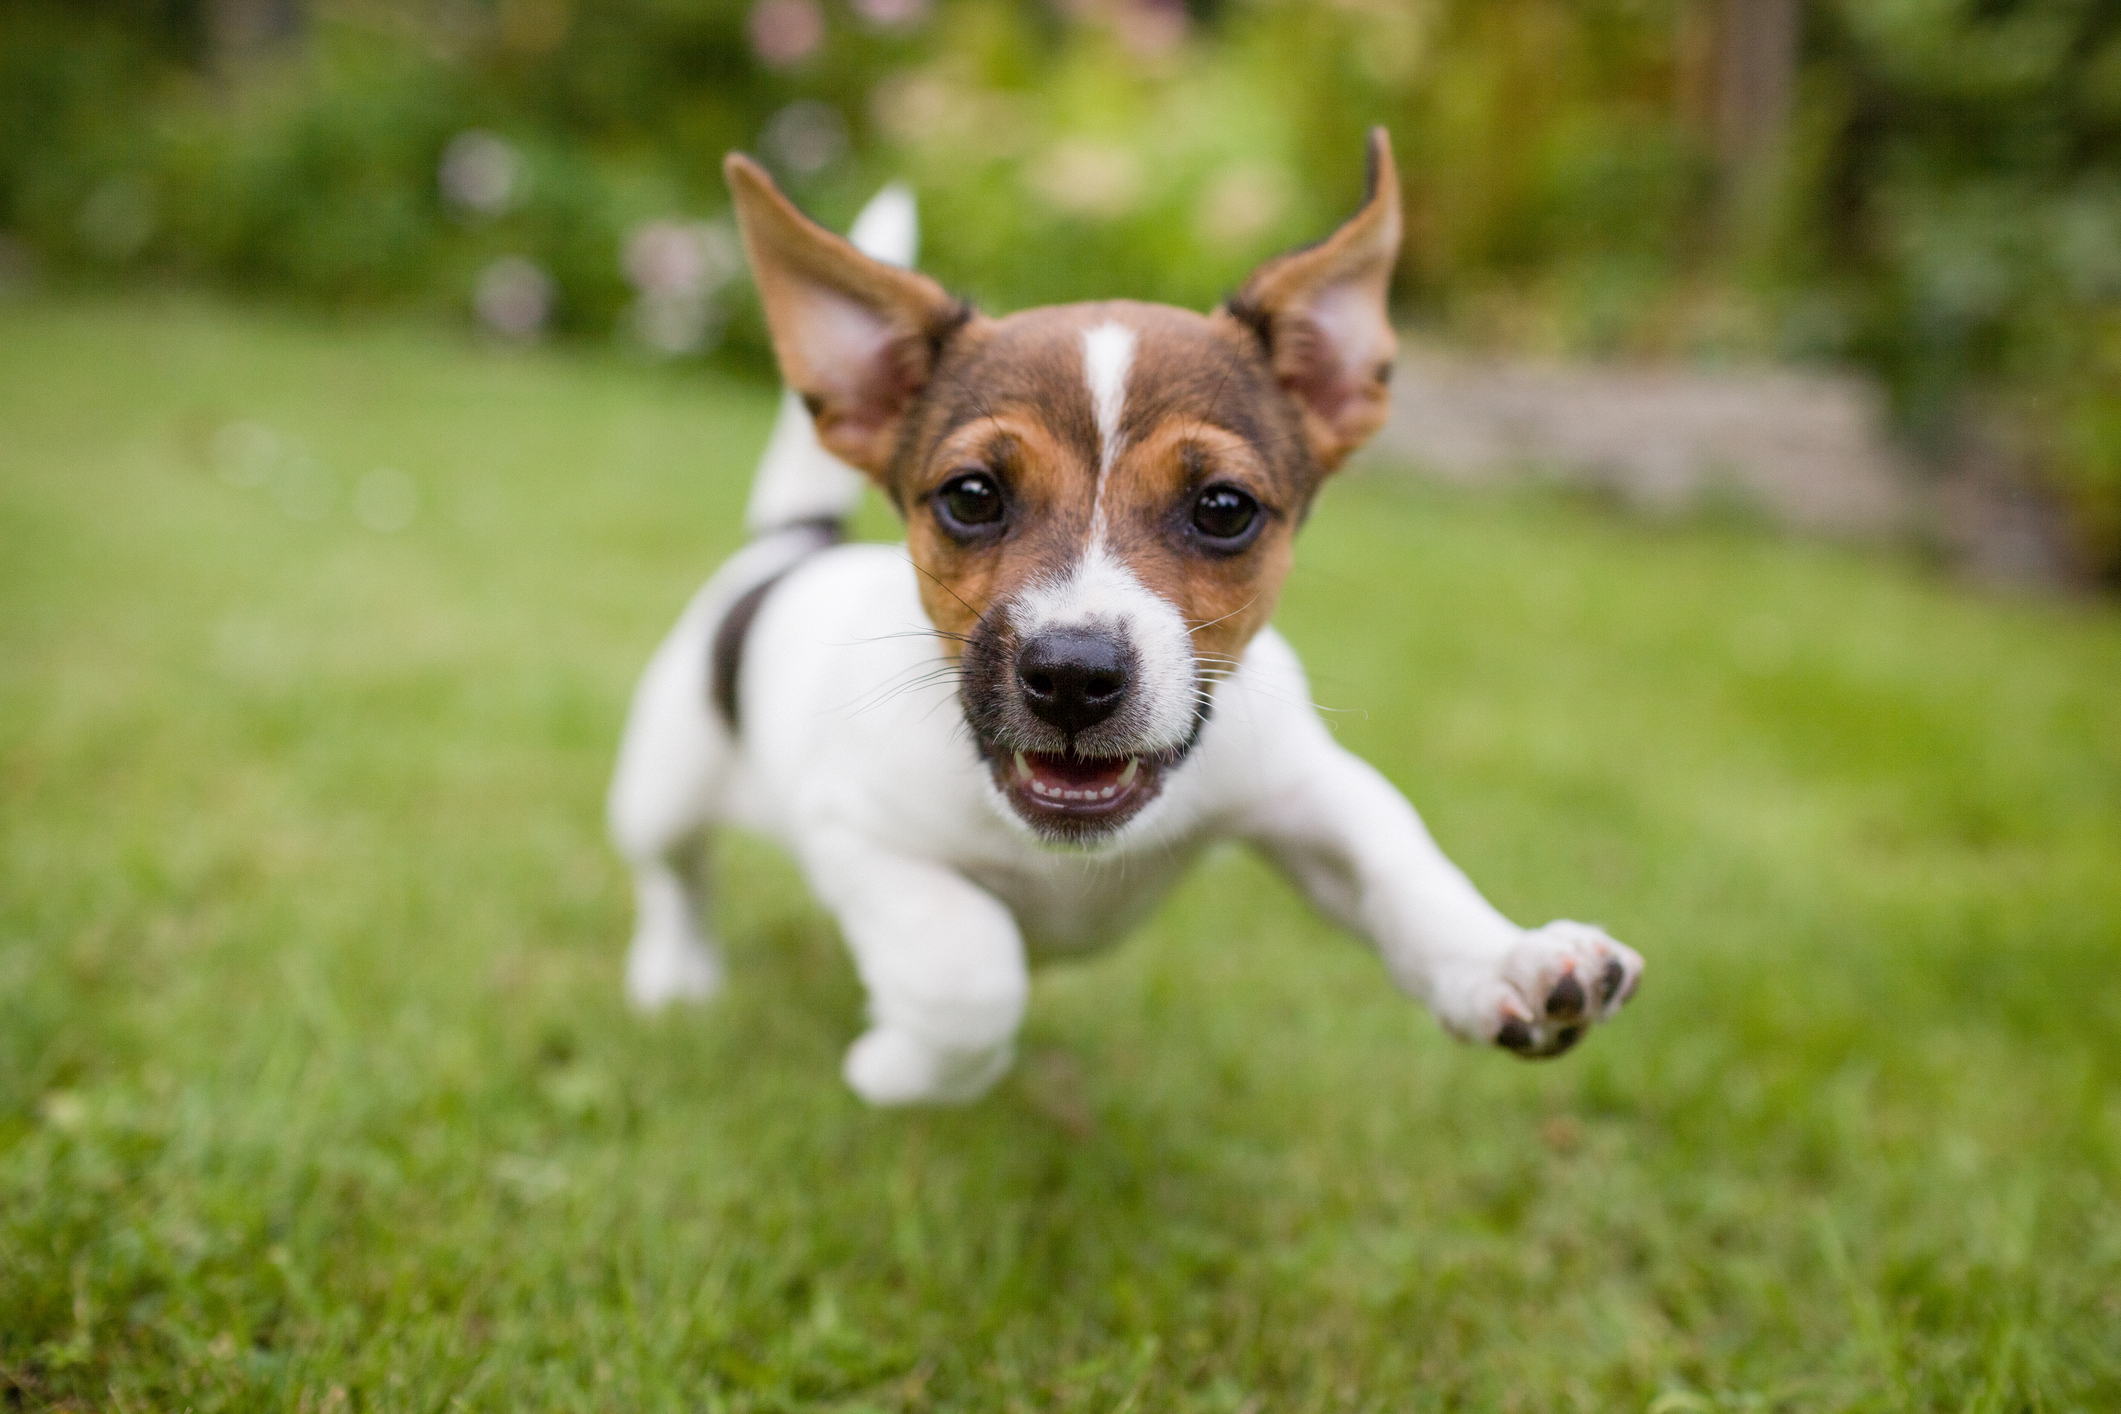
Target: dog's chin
[[1071, 799]]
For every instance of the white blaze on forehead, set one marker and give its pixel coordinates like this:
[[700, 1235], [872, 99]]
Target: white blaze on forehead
[[1108, 352], [1100, 592], [1108, 355]]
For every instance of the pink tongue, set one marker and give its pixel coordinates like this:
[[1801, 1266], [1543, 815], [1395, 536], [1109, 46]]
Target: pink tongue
[[1074, 773]]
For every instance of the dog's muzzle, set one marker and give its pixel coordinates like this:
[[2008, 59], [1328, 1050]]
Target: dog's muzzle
[[1059, 716]]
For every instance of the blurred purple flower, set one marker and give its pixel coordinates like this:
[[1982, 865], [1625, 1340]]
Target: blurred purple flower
[[678, 267], [784, 32], [1151, 29], [806, 136], [480, 172], [513, 297], [892, 12], [681, 257]]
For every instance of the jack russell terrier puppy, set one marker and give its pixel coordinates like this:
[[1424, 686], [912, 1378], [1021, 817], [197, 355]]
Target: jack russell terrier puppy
[[1100, 504]]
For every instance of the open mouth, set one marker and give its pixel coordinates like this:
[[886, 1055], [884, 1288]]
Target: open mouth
[[1063, 787]]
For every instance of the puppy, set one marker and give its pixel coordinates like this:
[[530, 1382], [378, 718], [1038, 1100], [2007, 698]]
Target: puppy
[[1010, 735]]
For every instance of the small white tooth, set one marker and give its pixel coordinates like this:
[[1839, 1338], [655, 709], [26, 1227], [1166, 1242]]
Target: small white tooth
[[1075, 795], [1039, 787], [1023, 767], [1106, 793], [1126, 777]]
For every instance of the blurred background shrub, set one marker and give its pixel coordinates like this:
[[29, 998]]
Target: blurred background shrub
[[1930, 189]]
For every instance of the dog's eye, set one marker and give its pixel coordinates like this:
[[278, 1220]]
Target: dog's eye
[[1224, 513], [969, 502]]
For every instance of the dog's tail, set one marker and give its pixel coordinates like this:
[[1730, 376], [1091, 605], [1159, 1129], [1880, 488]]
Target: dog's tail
[[799, 482]]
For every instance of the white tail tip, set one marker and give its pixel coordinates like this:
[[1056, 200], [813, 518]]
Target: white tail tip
[[889, 227]]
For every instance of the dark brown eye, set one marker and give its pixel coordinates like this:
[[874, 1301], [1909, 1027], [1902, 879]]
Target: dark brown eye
[[969, 503], [1225, 514]]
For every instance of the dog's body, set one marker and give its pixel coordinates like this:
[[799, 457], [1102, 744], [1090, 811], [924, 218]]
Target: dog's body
[[1012, 735]]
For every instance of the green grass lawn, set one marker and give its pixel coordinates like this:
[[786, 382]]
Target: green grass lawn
[[317, 1091]]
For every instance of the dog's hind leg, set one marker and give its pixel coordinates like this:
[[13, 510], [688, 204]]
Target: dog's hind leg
[[673, 770]]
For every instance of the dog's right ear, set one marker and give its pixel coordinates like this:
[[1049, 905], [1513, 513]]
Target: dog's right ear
[[1321, 314], [857, 339]]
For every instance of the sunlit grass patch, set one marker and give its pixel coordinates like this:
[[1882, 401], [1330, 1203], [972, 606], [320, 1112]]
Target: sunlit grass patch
[[315, 1077]]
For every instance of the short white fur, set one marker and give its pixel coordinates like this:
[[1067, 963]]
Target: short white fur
[[1108, 356]]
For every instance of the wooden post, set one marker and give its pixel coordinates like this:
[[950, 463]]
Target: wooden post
[[1756, 70]]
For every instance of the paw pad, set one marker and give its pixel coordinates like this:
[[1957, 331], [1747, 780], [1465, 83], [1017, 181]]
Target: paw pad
[[1565, 1002], [1537, 1042], [1566, 978]]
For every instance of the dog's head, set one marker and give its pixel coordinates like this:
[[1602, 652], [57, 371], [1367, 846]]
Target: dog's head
[[1100, 499]]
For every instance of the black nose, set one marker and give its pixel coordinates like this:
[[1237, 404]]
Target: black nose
[[1073, 677]]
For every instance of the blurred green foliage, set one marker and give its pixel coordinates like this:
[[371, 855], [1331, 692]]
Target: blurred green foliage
[[1943, 203]]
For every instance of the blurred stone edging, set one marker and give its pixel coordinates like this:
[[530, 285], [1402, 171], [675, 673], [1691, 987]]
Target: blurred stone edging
[[1810, 452]]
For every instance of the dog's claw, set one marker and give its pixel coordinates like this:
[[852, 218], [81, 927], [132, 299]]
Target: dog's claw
[[1562, 980]]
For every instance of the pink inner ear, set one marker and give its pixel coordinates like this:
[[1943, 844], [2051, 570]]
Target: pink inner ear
[[1350, 337], [852, 358]]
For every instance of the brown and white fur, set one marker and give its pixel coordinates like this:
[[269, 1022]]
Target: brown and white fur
[[1011, 734]]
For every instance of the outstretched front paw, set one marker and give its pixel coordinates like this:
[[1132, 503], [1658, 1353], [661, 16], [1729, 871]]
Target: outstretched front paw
[[1558, 982]]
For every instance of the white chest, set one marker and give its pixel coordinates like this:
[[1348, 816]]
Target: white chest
[[1074, 904]]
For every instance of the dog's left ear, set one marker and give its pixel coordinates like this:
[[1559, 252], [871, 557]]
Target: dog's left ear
[[1322, 315]]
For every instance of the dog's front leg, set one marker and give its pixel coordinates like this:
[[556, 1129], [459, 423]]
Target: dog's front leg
[[1355, 845], [944, 966]]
